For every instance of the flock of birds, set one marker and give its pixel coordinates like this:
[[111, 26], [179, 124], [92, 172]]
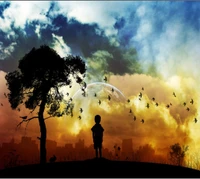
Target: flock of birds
[[109, 98], [128, 100], [156, 104]]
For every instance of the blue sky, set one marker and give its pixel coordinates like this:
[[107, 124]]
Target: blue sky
[[157, 31]]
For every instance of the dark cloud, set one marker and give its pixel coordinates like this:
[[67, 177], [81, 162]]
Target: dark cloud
[[83, 39]]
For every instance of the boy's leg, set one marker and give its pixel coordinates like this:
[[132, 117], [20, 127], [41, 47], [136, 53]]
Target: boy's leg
[[96, 150]]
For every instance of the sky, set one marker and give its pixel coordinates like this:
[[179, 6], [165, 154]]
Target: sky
[[149, 44]]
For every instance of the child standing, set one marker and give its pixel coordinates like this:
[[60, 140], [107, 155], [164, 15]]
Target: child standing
[[97, 135]]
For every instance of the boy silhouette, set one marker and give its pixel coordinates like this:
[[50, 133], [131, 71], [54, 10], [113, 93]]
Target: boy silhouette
[[97, 135]]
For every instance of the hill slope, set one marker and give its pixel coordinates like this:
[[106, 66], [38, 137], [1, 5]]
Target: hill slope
[[100, 168]]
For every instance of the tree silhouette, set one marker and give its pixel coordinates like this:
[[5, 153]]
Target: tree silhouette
[[36, 85], [177, 153]]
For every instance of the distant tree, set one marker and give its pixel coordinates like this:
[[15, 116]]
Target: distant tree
[[177, 153], [36, 85]]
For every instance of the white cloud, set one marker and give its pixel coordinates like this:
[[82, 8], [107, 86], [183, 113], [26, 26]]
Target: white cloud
[[60, 46], [21, 12]]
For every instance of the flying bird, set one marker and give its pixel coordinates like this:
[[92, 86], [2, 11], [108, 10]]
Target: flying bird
[[23, 117], [184, 103], [188, 109], [134, 118], [142, 88], [156, 104], [112, 89], [95, 95], [105, 79], [70, 86], [170, 104], [153, 99], [81, 110], [174, 94], [128, 100], [109, 97], [142, 121], [79, 117], [140, 95], [191, 101], [167, 106], [195, 120], [147, 105], [99, 102], [139, 99], [130, 111], [70, 99], [67, 94]]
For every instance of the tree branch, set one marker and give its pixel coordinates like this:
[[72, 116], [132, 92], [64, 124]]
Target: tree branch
[[26, 120]]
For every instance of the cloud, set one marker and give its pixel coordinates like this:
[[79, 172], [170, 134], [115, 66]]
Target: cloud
[[60, 46]]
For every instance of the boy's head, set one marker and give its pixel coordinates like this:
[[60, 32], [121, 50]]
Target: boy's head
[[97, 119]]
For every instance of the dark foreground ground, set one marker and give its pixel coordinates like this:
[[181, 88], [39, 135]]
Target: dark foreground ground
[[99, 168]]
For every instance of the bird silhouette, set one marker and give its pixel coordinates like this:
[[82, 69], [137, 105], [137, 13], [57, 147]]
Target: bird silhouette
[[109, 97], [184, 103], [79, 117], [105, 79], [142, 88], [147, 105], [99, 102], [139, 99], [188, 109], [170, 104], [156, 104], [130, 111], [112, 89], [142, 121], [118, 148], [174, 94], [70, 99], [140, 95], [81, 110], [23, 117], [134, 118], [167, 105], [191, 101], [128, 100], [153, 99], [67, 94], [70, 86], [95, 95], [195, 120]]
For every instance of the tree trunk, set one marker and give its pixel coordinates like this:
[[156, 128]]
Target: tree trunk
[[43, 132]]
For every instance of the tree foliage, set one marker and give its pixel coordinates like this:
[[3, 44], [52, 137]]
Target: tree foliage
[[41, 73], [177, 153]]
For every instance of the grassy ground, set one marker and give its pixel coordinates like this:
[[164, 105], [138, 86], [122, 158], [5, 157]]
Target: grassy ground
[[99, 168]]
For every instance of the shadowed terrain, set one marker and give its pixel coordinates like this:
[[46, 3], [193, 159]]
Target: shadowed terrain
[[100, 168]]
